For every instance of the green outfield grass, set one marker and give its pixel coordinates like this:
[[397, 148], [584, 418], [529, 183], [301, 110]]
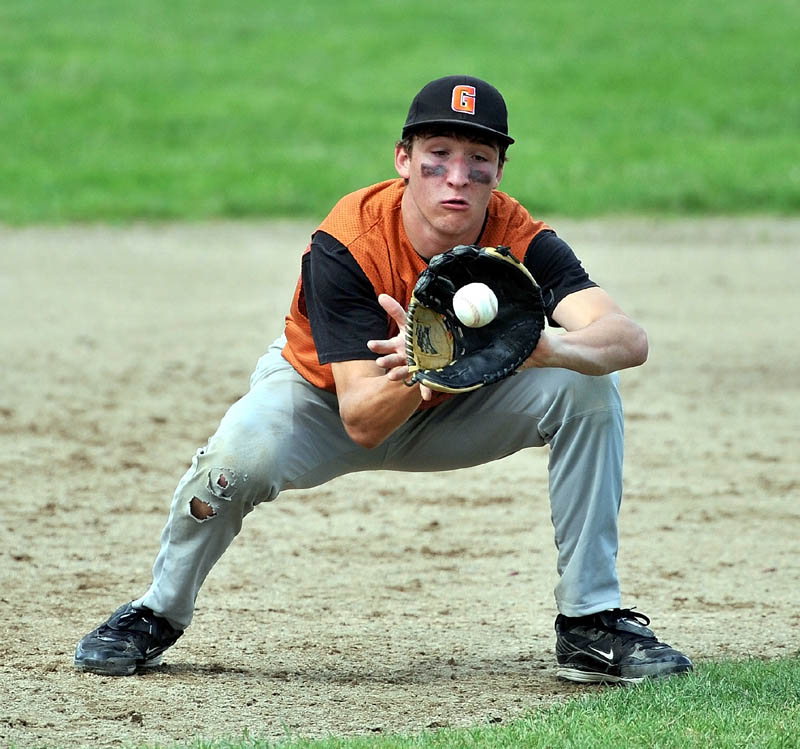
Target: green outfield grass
[[750, 704], [162, 109]]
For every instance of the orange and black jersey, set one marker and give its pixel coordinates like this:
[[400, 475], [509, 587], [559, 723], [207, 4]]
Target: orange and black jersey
[[361, 250]]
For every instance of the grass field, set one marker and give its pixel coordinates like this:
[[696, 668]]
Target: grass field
[[188, 110], [724, 705]]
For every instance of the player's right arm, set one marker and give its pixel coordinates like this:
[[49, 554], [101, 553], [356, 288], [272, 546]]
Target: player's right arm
[[345, 314], [370, 404], [373, 399]]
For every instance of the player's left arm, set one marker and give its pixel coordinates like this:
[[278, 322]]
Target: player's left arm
[[599, 337]]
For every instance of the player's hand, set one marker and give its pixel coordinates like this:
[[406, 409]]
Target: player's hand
[[393, 350], [542, 355]]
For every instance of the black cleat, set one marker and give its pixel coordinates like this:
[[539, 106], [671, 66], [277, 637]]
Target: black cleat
[[129, 640], [613, 646]]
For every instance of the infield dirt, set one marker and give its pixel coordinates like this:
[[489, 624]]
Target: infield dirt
[[379, 602]]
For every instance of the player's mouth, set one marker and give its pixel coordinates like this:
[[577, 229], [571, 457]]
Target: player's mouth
[[456, 204]]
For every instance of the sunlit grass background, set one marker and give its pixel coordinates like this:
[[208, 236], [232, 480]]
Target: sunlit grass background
[[113, 110], [749, 704]]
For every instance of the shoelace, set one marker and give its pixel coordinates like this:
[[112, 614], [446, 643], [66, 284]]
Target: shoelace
[[126, 621], [630, 637], [637, 616]]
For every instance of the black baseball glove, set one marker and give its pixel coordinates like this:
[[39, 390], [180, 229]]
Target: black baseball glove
[[447, 356]]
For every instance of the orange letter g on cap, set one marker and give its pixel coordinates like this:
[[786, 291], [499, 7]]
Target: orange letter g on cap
[[463, 99]]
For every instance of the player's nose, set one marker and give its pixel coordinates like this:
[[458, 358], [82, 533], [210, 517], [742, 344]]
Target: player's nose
[[458, 172]]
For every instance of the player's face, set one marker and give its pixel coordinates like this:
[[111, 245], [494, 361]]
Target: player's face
[[450, 181]]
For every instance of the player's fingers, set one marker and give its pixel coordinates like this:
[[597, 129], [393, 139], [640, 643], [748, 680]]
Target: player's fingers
[[390, 361], [425, 392], [394, 309], [397, 374], [388, 346]]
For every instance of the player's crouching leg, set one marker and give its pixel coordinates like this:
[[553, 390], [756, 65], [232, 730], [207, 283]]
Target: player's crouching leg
[[226, 479], [613, 644]]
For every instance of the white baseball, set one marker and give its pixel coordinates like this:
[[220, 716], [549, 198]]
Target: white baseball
[[475, 305]]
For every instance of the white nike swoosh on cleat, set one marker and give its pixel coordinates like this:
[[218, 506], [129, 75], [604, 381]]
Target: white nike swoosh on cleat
[[608, 656]]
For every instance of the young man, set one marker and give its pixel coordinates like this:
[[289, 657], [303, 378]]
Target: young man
[[329, 398]]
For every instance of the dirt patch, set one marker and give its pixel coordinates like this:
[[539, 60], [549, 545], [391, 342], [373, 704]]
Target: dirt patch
[[378, 602]]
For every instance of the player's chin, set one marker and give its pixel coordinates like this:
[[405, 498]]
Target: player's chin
[[457, 225]]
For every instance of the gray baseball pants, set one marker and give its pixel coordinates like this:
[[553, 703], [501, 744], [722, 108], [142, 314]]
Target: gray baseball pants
[[286, 434]]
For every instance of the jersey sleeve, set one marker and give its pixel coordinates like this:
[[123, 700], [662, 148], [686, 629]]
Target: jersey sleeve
[[556, 268], [342, 305]]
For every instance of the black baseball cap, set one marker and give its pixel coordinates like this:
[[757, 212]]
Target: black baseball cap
[[463, 101]]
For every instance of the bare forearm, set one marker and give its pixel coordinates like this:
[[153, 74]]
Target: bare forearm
[[609, 344], [379, 406]]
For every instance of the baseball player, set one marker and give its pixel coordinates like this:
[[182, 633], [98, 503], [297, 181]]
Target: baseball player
[[330, 396]]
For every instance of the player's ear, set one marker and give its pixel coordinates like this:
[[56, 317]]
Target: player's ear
[[402, 161], [499, 174]]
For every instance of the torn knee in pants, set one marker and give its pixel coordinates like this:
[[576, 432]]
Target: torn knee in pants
[[200, 510], [221, 484]]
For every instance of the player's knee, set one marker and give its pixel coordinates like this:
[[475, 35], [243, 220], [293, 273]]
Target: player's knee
[[224, 484], [234, 472], [222, 488], [593, 393], [201, 510]]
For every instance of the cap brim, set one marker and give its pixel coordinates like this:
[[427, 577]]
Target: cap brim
[[460, 125]]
